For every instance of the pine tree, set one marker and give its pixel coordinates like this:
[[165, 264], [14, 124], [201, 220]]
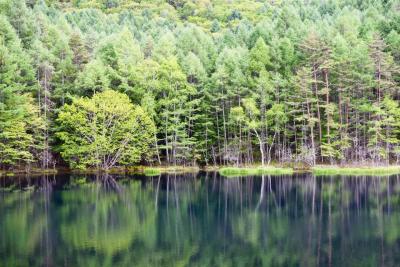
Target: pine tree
[[19, 120]]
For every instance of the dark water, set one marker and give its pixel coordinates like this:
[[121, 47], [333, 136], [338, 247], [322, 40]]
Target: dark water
[[200, 220]]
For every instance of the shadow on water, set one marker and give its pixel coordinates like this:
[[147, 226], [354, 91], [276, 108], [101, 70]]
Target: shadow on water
[[199, 220]]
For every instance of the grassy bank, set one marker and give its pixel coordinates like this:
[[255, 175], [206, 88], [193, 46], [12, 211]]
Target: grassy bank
[[151, 172], [148, 171], [356, 171], [155, 171], [247, 171], [30, 172], [320, 170]]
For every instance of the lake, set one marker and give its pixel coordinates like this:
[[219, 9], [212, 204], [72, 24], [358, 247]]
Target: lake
[[199, 220]]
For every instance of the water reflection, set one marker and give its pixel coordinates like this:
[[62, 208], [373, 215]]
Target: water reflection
[[199, 220]]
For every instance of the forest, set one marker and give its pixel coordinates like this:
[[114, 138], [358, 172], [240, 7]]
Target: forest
[[106, 83]]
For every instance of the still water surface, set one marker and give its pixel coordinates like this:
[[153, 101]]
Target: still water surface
[[200, 220]]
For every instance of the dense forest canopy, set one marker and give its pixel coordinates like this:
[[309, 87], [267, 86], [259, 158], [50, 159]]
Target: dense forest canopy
[[224, 82]]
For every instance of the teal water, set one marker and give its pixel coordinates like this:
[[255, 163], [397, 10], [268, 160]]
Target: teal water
[[199, 220]]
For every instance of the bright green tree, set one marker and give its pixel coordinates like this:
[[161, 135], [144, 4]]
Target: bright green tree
[[104, 131]]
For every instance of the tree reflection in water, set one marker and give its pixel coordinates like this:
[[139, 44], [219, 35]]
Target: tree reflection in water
[[199, 220]]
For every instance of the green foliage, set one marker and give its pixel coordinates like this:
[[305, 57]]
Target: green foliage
[[19, 119], [225, 82], [93, 79], [259, 57], [104, 131]]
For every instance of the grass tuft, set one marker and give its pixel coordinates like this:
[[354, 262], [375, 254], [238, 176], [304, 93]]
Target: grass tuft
[[235, 171], [356, 171], [151, 171]]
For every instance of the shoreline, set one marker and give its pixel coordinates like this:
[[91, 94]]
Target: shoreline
[[226, 171], [355, 170]]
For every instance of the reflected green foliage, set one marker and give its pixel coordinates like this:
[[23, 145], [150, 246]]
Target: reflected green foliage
[[201, 220]]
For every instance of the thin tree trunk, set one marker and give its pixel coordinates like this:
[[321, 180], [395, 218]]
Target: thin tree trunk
[[318, 108]]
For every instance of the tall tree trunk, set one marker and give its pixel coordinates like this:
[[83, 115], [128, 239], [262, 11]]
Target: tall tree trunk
[[318, 108], [328, 122], [225, 132]]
